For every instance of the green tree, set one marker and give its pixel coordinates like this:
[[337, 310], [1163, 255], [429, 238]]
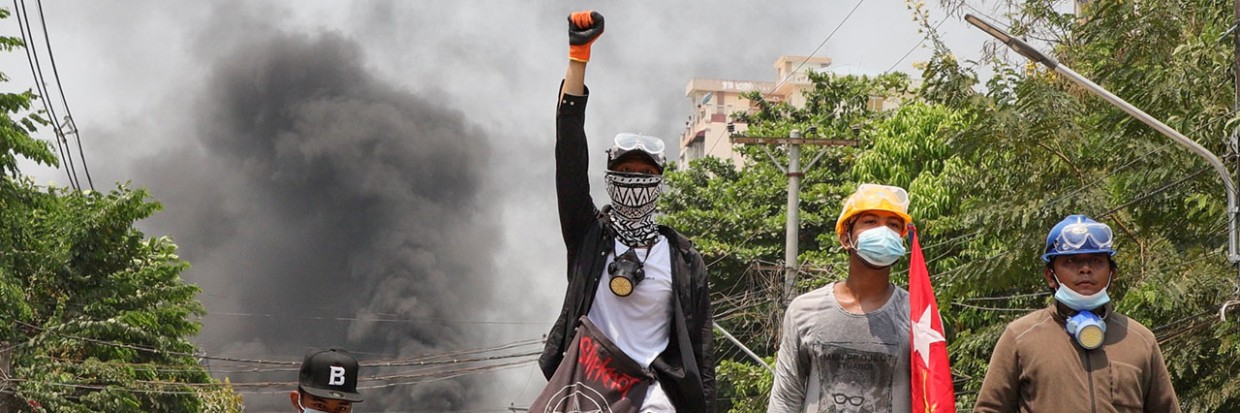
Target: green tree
[[95, 314], [992, 166], [737, 217], [1050, 149]]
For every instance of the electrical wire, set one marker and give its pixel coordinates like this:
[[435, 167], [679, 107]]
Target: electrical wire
[[41, 86], [377, 320], [434, 367], [820, 45], [32, 58], [919, 43], [47, 41], [806, 60], [160, 387], [424, 360]]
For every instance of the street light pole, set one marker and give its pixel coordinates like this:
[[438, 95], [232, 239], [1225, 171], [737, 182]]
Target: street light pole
[[1033, 54]]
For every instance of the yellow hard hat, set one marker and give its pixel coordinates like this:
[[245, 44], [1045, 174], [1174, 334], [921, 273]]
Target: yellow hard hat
[[873, 197]]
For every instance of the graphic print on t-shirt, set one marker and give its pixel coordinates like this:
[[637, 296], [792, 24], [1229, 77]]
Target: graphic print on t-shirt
[[854, 381]]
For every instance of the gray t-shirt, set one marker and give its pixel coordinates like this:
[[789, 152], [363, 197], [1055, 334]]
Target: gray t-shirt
[[831, 360]]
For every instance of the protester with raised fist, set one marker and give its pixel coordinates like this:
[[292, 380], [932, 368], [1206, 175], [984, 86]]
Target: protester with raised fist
[[327, 383], [634, 334]]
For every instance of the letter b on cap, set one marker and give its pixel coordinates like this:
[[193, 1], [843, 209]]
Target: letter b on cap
[[336, 378]]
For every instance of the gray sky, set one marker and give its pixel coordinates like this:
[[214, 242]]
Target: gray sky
[[332, 159]]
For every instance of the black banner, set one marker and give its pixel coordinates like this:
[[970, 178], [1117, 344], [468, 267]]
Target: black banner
[[595, 377]]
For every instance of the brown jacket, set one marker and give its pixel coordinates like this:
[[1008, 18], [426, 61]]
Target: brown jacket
[[1038, 367]]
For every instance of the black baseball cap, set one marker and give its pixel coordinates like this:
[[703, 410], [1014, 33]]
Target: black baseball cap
[[330, 374]]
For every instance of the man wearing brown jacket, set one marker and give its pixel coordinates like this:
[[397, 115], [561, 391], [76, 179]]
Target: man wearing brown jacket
[[1078, 354]]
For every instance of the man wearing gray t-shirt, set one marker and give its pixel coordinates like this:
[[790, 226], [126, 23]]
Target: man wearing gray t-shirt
[[845, 346]]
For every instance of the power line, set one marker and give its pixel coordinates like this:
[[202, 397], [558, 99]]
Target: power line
[[422, 360], [436, 367], [377, 320], [804, 61], [1006, 297], [41, 84], [61, 131], [919, 43], [161, 387], [820, 45], [32, 58], [47, 41], [978, 307], [155, 350], [430, 361], [988, 16], [720, 139]]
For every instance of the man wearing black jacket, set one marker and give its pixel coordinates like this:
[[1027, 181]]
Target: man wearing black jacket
[[641, 284]]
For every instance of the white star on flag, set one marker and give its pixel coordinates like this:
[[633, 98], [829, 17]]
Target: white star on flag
[[924, 336]]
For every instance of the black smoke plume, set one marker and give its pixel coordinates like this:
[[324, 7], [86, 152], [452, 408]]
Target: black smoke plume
[[313, 199]]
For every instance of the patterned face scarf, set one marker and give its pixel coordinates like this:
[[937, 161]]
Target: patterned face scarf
[[633, 197]]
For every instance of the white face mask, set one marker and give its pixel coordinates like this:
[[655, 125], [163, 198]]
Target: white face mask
[[1078, 301], [306, 409]]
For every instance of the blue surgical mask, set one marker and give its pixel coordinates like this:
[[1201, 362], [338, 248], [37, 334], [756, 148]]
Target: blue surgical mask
[[1078, 301], [880, 246]]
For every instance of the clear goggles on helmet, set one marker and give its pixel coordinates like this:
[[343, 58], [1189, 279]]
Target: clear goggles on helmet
[[630, 141], [871, 196], [1077, 236]]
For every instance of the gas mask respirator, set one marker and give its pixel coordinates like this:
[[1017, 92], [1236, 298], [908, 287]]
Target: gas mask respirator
[[1088, 329], [626, 272]]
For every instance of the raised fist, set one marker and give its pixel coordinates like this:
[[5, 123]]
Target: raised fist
[[584, 27]]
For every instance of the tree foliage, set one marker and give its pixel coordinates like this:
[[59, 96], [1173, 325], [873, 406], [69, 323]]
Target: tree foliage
[[95, 315], [991, 166], [737, 217]]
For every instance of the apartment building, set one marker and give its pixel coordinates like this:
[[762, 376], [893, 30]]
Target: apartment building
[[716, 100]]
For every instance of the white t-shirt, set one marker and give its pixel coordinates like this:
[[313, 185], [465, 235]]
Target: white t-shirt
[[640, 324]]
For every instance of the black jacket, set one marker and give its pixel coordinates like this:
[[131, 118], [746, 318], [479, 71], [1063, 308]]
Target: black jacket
[[686, 368]]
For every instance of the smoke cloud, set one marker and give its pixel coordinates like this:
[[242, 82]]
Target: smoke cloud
[[325, 164], [317, 195]]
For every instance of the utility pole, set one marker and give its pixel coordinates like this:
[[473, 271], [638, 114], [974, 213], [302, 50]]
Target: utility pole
[[794, 172], [1234, 141]]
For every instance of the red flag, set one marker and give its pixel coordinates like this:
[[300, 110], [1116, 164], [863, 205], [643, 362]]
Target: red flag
[[932, 373]]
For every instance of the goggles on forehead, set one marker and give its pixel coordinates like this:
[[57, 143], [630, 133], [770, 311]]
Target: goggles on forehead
[[1079, 236], [873, 197], [631, 141], [871, 194]]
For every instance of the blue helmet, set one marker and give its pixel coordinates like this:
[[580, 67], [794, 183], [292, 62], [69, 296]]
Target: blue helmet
[[1077, 234]]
